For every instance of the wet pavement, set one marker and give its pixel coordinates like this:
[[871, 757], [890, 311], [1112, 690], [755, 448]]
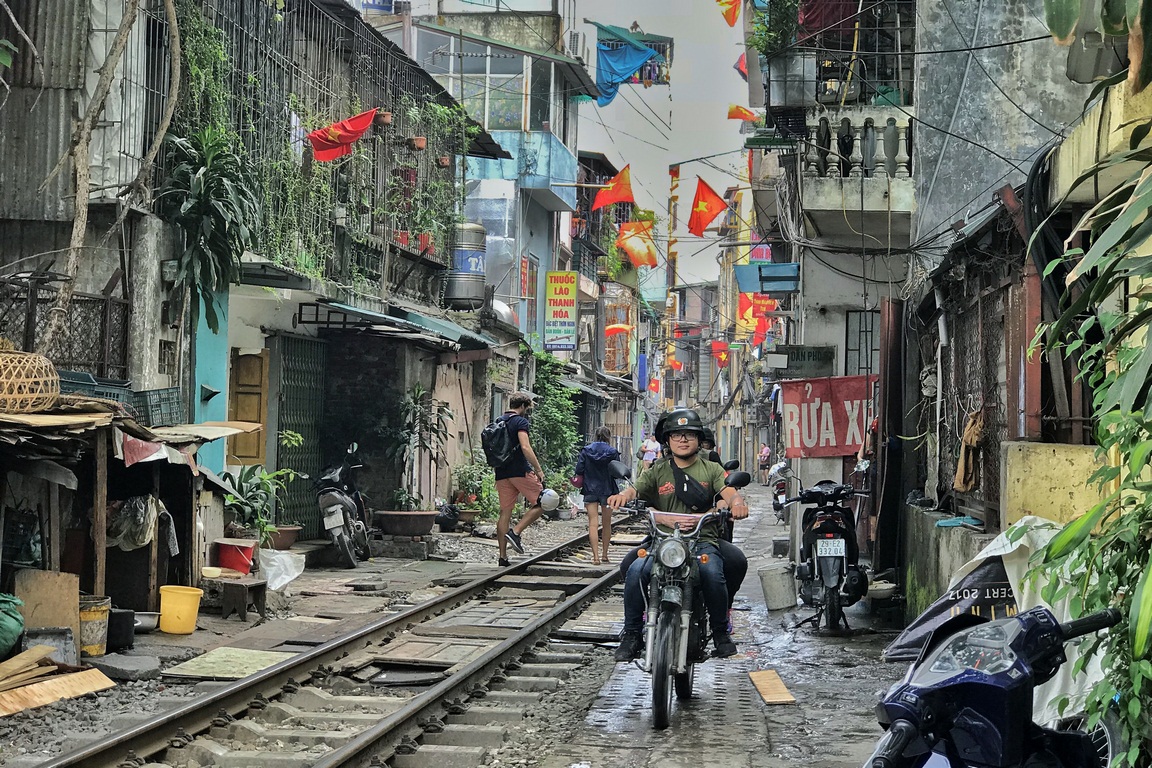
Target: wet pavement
[[836, 682]]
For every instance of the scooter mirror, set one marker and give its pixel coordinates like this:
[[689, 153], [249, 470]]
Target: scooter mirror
[[304, 475], [353, 448], [619, 470], [731, 465], [738, 480]]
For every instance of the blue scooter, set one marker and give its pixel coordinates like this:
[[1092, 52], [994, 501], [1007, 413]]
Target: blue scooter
[[967, 701]]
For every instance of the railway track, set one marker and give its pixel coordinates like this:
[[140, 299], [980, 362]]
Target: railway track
[[485, 658]]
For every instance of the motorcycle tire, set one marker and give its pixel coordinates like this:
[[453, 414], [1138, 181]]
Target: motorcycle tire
[[684, 682], [1107, 737], [344, 548], [833, 612], [360, 543], [663, 661]]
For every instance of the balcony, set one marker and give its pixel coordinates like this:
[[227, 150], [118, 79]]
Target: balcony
[[855, 172], [539, 159]]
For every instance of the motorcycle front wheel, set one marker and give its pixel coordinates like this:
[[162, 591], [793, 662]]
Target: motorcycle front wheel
[[663, 661], [1107, 737], [344, 548]]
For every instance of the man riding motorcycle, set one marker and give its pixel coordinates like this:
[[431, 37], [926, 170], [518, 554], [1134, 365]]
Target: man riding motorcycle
[[683, 486]]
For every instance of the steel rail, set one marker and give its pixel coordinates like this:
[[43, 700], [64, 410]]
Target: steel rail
[[155, 734]]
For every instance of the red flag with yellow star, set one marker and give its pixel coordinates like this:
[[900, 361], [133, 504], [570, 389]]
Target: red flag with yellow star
[[635, 239], [654, 386], [737, 112], [730, 9], [763, 325], [706, 206], [619, 190], [333, 141], [720, 352]]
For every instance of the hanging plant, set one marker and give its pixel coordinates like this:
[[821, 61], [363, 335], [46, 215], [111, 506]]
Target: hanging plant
[[211, 197]]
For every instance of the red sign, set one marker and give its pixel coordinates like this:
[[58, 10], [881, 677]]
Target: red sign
[[826, 417], [524, 275]]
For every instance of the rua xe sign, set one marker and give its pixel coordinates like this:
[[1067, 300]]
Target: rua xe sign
[[826, 417]]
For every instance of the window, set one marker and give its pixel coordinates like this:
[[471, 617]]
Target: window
[[488, 80], [540, 106], [862, 347], [530, 316]]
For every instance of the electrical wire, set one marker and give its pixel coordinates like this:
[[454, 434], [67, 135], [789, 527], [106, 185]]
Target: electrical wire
[[822, 49]]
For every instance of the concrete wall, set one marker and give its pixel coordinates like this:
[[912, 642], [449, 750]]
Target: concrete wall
[[152, 244], [932, 555], [1047, 479], [955, 94], [526, 30], [464, 387]]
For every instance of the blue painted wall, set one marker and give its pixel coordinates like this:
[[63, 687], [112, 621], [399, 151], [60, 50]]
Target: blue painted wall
[[212, 371]]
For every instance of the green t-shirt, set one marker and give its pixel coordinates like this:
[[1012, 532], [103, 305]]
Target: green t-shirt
[[657, 486]]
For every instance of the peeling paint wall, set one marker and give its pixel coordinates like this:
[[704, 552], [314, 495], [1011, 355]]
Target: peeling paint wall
[[932, 555], [1048, 480], [961, 96]]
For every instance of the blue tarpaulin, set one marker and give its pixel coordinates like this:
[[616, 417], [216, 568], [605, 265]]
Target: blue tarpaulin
[[615, 66]]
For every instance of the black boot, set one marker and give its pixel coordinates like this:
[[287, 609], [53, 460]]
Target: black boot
[[631, 643], [724, 645]]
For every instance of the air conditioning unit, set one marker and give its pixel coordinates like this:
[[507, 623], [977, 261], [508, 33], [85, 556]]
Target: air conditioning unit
[[402, 7], [578, 45]]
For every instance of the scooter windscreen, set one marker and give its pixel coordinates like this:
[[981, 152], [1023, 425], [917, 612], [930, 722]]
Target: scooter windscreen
[[986, 648]]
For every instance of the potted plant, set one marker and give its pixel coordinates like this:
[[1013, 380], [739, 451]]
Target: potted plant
[[444, 161], [417, 143], [468, 484], [285, 535], [251, 507], [383, 119]]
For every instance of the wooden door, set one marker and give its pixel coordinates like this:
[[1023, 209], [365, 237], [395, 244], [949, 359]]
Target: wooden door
[[248, 401]]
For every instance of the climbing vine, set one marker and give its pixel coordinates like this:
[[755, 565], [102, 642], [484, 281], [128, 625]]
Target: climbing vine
[[553, 432]]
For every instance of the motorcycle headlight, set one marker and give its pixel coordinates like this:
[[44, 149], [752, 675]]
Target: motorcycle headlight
[[672, 554]]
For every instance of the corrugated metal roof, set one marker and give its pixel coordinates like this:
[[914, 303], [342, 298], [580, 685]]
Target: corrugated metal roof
[[59, 28], [31, 142]]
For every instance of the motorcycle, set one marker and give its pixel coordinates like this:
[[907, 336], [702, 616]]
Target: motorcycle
[[676, 630], [345, 515], [779, 483], [967, 700], [829, 572]]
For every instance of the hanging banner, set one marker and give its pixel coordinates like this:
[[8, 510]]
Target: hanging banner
[[560, 311], [826, 417]]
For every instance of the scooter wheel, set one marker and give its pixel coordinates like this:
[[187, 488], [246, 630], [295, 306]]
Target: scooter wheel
[[344, 549]]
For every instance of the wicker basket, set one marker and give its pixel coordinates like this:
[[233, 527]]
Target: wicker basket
[[28, 382]]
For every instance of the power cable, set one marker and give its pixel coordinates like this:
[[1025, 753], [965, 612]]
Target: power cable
[[647, 106], [990, 46]]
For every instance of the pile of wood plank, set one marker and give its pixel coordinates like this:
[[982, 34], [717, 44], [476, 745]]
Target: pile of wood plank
[[32, 679]]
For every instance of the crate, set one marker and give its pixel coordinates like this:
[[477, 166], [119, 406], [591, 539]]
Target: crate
[[160, 407], [81, 383]]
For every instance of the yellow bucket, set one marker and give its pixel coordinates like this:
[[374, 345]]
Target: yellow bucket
[[94, 612], [179, 607]]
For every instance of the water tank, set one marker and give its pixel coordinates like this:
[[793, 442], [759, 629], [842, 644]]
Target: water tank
[[465, 282]]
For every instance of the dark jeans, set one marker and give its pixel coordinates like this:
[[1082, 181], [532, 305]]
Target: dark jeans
[[735, 567], [711, 576]]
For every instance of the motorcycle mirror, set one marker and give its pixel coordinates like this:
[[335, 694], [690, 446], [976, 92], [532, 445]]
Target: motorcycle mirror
[[353, 448], [731, 465], [619, 470], [738, 480], [304, 475]]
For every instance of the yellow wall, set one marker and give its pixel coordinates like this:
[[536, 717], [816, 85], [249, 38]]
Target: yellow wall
[[1046, 479], [1105, 131]]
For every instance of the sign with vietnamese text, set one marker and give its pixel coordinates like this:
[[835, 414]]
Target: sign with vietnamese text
[[826, 417], [806, 362], [560, 310]]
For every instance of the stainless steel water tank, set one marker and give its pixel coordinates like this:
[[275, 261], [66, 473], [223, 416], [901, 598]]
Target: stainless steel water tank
[[465, 281]]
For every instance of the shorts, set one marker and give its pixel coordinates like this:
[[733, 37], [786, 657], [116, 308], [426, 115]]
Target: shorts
[[512, 488], [593, 499]]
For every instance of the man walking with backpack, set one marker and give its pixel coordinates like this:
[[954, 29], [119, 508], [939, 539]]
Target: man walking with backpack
[[518, 471]]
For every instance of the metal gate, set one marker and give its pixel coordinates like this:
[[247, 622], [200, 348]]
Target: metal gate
[[299, 371]]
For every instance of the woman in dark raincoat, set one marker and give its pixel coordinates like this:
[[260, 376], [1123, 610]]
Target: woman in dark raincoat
[[598, 486]]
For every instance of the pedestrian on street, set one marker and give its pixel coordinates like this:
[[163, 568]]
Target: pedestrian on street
[[520, 476], [649, 451], [592, 465], [765, 458]]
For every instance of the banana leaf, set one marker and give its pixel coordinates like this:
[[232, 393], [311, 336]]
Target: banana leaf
[[1061, 17]]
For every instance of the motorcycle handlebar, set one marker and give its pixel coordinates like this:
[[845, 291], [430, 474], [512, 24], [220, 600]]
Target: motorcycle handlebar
[[1091, 623], [899, 736]]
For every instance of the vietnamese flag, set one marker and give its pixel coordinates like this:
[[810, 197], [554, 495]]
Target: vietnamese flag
[[635, 239], [737, 112], [706, 206], [762, 326], [741, 66], [333, 141], [720, 352], [675, 364], [654, 386], [730, 9], [619, 190]]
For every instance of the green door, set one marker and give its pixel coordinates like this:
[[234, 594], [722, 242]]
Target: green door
[[299, 366]]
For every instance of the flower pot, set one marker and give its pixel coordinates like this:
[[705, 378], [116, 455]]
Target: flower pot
[[418, 143], [383, 118], [424, 243], [443, 161], [400, 237], [402, 522], [285, 536], [468, 515]]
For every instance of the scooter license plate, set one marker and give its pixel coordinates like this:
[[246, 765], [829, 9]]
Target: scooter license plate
[[333, 517], [830, 548]]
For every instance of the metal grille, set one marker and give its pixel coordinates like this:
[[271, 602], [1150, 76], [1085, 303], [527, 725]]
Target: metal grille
[[94, 338], [301, 375]]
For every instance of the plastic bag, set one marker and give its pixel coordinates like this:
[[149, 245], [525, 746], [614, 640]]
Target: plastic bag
[[280, 568], [11, 623]]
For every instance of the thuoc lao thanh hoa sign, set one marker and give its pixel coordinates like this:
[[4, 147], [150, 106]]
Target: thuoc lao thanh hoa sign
[[561, 311], [826, 417]]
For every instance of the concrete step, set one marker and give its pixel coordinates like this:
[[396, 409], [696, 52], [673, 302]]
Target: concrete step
[[278, 714], [523, 699], [316, 700], [552, 657], [248, 732], [208, 752]]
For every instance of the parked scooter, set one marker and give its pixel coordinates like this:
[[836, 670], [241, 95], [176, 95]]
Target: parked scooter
[[967, 701], [676, 631], [779, 483], [829, 572], [342, 506]]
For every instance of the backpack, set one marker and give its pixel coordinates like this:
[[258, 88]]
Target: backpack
[[497, 443]]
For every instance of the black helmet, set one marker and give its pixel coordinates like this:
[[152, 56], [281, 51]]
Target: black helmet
[[707, 436], [678, 420]]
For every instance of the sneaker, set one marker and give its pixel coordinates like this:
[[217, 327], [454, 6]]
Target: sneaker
[[514, 540], [630, 646], [724, 646], [502, 562]]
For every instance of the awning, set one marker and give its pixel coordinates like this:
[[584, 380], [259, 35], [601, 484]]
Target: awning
[[265, 273], [587, 389], [447, 329]]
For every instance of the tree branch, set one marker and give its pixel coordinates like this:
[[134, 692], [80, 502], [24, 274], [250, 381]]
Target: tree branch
[[31, 47]]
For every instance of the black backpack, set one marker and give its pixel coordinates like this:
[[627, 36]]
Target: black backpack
[[497, 443]]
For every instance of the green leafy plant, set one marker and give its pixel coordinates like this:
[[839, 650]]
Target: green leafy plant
[[403, 499], [1102, 557], [210, 196], [553, 418], [773, 31], [1113, 18], [468, 482], [257, 490], [420, 425]]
